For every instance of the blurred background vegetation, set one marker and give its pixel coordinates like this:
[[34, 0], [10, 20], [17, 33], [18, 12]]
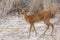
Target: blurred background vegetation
[[13, 6]]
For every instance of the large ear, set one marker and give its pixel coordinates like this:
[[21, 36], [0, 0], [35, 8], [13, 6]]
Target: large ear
[[24, 9]]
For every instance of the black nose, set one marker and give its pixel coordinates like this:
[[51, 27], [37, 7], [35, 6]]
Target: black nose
[[22, 13]]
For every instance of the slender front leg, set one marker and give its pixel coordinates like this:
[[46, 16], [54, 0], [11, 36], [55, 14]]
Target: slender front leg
[[35, 30], [30, 30]]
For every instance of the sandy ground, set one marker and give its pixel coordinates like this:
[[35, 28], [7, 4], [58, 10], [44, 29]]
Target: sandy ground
[[14, 28]]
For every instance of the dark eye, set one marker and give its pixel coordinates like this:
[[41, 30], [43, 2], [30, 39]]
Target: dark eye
[[25, 10]]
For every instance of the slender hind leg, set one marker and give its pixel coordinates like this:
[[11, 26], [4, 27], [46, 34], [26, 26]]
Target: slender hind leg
[[52, 28], [50, 24], [46, 27], [45, 30]]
